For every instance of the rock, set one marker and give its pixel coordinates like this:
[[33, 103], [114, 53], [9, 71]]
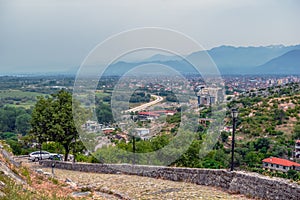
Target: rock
[[47, 173], [81, 194], [40, 171], [2, 194], [114, 193], [2, 185], [8, 172], [68, 180], [71, 183], [86, 188]]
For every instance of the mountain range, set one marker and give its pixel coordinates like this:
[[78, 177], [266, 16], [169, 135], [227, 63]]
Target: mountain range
[[274, 59]]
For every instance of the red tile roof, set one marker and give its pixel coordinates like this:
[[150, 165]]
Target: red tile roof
[[149, 114], [164, 111], [108, 131], [280, 161]]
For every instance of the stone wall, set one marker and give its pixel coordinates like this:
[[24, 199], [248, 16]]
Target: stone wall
[[9, 157], [249, 184]]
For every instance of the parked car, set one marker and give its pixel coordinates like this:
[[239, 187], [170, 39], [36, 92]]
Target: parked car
[[54, 156], [37, 155], [70, 157]]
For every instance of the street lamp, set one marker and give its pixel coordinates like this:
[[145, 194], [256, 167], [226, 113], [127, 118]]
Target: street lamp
[[133, 148], [132, 136], [234, 114], [74, 147]]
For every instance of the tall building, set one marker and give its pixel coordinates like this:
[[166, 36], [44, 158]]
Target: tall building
[[207, 96]]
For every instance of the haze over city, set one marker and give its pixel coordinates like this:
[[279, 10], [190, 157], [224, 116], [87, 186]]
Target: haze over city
[[56, 36], [140, 99]]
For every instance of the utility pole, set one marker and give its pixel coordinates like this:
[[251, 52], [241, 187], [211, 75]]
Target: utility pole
[[133, 148], [74, 146]]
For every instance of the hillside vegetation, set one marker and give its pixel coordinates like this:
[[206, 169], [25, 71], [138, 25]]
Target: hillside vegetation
[[268, 125], [18, 182]]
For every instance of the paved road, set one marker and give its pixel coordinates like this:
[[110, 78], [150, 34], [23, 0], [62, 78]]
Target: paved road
[[144, 106]]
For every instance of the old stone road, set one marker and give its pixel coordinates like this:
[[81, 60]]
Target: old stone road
[[120, 186]]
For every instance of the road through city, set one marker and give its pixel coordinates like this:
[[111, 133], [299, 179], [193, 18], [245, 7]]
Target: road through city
[[144, 106]]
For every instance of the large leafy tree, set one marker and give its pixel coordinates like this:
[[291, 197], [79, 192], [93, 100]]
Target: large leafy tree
[[23, 123], [104, 113], [8, 118], [296, 134], [52, 120]]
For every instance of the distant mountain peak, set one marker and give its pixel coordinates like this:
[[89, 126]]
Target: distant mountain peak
[[276, 46], [288, 63]]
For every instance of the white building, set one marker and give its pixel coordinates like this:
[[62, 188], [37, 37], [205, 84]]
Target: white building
[[279, 164], [92, 126], [143, 133]]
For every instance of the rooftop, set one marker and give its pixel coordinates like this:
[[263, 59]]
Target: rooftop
[[149, 114], [280, 161]]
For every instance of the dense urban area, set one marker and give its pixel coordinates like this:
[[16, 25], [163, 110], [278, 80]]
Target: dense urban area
[[36, 115]]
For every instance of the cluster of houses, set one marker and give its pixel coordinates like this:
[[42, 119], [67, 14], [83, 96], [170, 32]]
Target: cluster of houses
[[92, 126], [142, 133], [95, 127]]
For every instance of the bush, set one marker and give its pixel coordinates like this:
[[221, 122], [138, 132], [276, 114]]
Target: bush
[[293, 174]]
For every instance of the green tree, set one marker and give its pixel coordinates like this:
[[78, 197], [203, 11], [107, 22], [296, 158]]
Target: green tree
[[296, 134], [253, 158], [262, 143], [8, 118], [41, 120], [23, 123], [104, 113], [279, 116], [293, 174], [224, 136], [52, 120]]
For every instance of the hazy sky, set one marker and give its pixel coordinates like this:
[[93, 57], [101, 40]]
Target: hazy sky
[[53, 34]]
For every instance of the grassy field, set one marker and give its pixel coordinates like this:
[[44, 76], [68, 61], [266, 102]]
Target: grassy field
[[18, 94], [101, 93], [19, 98]]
